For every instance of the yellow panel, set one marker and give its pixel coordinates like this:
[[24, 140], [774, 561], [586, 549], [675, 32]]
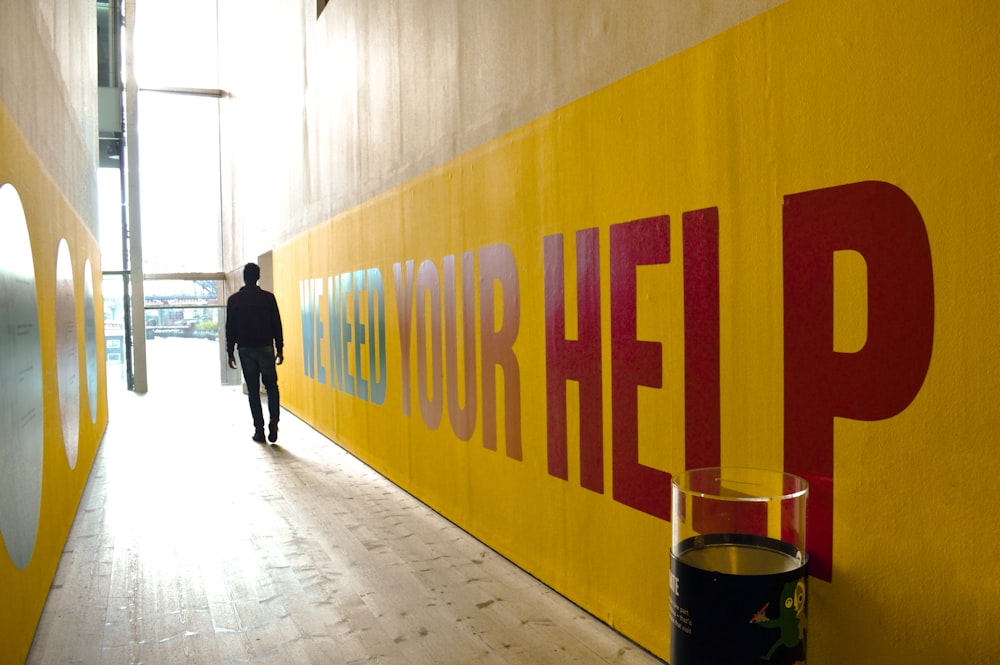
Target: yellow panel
[[50, 219]]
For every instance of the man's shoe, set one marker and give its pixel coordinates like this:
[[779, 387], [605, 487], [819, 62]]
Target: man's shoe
[[272, 431], [258, 436]]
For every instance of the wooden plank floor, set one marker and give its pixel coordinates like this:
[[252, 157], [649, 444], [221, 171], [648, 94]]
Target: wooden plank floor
[[194, 544]]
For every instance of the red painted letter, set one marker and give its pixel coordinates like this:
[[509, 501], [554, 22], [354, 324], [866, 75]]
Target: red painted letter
[[633, 364], [880, 222], [575, 360], [702, 418], [497, 267], [463, 418], [429, 323], [404, 309]]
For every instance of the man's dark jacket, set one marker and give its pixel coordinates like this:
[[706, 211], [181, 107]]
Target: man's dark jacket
[[252, 320]]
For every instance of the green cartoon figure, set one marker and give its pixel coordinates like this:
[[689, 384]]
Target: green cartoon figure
[[791, 619]]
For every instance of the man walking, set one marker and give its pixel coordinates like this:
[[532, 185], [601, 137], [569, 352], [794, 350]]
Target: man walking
[[253, 324]]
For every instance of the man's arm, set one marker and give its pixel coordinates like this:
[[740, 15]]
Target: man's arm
[[230, 333], [279, 339]]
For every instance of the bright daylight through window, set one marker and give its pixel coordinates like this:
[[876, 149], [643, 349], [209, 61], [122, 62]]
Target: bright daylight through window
[[177, 137]]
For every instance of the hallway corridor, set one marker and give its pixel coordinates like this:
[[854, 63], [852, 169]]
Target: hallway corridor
[[194, 544]]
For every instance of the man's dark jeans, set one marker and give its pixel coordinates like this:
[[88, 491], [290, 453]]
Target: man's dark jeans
[[258, 367]]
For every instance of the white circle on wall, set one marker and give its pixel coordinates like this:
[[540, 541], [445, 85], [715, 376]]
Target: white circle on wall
[[22, 422], [90, 338], [67, 353]]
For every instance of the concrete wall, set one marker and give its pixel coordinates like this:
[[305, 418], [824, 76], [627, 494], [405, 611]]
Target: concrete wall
[[48, 78], [370, 95], [52, 346]]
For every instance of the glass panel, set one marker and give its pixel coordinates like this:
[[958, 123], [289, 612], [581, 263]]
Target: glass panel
[[176, 43], [109, 191], [183, 293], [192, 323], [179, 183], [182, 348], [114, 330]]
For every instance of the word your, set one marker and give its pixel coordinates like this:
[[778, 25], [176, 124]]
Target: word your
[[418, 300]]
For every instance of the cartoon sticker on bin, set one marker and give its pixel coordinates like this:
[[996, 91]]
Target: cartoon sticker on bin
[[791, 619]]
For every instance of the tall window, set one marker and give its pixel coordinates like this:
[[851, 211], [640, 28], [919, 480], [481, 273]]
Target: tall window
[[177, 43], [179, 183]]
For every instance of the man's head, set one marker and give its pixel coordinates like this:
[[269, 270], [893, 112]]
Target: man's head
[[251, 273]]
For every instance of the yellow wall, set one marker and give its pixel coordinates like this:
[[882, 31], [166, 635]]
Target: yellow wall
[[50, 219], [849, 152]]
